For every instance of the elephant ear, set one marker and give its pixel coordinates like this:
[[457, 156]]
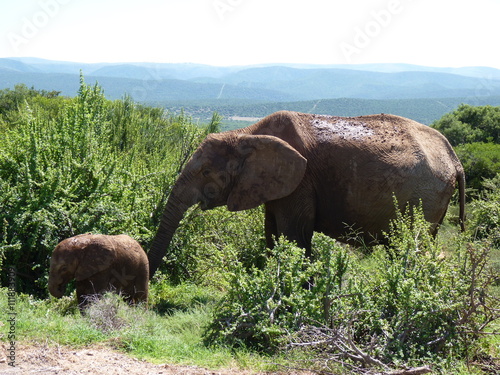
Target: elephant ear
[[272, 170], [97, 255]]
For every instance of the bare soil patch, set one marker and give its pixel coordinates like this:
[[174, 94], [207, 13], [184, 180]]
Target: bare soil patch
[[55, 360]]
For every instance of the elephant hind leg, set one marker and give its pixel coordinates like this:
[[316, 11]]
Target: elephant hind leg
[[435, 226], [140, 296], [271, 228], [137, 294]]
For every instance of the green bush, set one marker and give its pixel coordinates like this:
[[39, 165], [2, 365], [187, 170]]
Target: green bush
[[81, 165], [414, 309], [480, 161], [407, 301], [263, 305], [484, 218], [470, 124], [475, 134], [208, 244], [12, 100]]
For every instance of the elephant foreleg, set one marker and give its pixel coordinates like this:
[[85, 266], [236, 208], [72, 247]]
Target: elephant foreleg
[[84, 291], [294, 222]]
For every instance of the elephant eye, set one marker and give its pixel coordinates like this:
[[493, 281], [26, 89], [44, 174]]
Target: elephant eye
[[206, 172]]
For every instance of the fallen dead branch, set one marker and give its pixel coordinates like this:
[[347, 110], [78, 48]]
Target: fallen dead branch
[[336, 348]]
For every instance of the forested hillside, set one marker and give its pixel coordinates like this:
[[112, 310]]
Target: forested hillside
[[425, 111], [424, 94]]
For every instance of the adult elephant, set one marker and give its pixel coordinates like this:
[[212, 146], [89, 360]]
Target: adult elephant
[[100, 263], [317, 173]]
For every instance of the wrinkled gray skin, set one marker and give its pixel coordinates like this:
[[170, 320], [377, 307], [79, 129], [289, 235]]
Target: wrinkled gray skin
[[318, 173], [100, 263]]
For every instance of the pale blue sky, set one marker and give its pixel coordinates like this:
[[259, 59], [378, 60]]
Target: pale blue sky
[[241, 32]]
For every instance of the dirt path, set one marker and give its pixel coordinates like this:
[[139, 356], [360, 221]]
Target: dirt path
[[52, 360]]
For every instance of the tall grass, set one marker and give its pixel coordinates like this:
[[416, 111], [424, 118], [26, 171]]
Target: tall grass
[[171, 336]]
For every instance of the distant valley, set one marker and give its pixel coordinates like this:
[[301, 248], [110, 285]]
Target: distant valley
[[420, 93]]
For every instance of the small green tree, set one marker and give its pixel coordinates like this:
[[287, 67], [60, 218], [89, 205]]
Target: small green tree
[[480, 161], [475, 134], [469, 124]]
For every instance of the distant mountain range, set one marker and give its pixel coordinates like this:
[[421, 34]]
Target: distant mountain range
[[161, 84]]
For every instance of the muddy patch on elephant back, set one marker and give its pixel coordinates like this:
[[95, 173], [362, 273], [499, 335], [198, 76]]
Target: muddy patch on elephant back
[[328, 128]]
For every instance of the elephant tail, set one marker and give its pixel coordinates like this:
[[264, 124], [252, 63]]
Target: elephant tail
[[461, 191]]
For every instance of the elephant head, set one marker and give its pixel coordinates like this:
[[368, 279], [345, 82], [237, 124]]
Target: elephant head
[[76, 258], [239, 170]]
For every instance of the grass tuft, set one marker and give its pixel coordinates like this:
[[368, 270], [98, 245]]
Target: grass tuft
[[104, 312]]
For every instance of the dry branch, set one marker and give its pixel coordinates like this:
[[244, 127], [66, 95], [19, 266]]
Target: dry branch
[[336, 346]]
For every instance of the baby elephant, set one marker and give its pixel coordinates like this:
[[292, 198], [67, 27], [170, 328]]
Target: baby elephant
[[100, 263]]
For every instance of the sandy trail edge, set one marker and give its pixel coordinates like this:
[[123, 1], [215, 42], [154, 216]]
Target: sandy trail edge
[[52, 360]]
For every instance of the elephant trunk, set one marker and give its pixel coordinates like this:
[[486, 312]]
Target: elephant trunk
[[61, 271], [56, 287], [178, 202]]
